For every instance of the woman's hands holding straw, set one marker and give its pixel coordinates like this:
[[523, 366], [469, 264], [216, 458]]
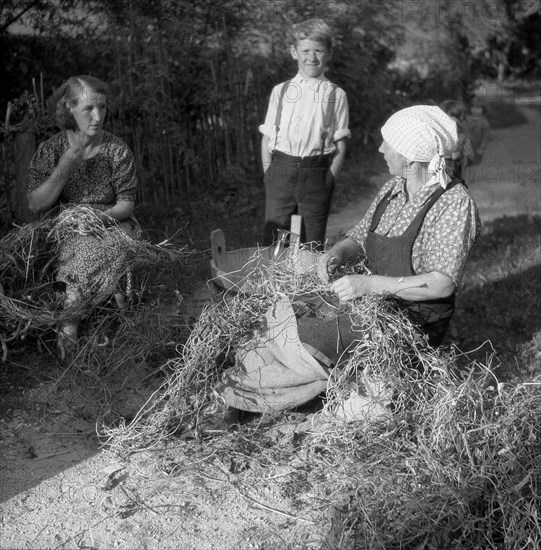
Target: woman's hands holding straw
[[339, 254], [327, 265], [347, 287], [350, 287]]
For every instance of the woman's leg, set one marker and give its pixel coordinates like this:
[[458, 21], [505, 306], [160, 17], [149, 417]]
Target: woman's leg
[[68, 330]]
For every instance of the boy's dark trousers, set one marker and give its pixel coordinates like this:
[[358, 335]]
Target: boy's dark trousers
[[298, 185]]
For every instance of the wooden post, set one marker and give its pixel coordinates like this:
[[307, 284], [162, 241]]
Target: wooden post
[[24, 147], [295, 236]]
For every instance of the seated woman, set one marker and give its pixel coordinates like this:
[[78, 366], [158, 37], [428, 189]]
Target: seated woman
[[85, 165], [416, 236]]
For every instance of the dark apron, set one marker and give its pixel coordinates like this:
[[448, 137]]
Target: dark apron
[[391, 257]]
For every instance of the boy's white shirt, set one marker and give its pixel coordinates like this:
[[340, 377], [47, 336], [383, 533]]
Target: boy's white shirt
[[301, 123]]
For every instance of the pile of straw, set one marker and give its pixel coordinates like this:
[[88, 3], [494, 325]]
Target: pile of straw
[[456, 464], [222, 327], [29, 300]]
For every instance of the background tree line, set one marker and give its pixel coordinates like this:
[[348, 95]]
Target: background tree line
[[191, 79]]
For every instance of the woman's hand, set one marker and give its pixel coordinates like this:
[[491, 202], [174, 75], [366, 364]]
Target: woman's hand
[[74, 154], [351, 287], [44, 196], [328, 264], [340, 253], [120, 211]]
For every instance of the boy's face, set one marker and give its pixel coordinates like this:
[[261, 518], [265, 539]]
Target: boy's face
[[476, 110], [312, 57]]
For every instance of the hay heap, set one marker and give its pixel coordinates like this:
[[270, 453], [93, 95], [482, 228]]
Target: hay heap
[[29, 301], [456, 465]]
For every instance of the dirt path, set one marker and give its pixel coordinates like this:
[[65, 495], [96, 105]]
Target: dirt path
[[55, 490], [508, 182]]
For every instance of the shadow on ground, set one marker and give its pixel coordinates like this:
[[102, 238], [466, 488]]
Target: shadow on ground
[[501, 298]]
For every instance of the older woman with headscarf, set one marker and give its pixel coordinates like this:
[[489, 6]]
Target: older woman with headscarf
[[419, 230], [416, 237]]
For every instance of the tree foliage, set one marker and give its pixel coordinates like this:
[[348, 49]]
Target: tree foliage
[[450, 44]]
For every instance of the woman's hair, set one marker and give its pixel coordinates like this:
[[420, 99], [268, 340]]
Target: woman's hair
[[69, 94], [312, 29], [454, 108]]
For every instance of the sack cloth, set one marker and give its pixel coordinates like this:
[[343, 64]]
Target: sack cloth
[[290, 362], [275, 372]]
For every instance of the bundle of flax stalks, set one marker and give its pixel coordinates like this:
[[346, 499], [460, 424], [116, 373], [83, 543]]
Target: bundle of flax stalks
[[386, 340], [454, 463], [29, 299]]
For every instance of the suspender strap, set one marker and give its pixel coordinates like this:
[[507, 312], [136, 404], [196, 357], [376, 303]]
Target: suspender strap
[[328, 111], [278, 118], [380, 209]]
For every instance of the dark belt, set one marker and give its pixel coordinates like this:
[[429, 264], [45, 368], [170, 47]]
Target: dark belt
[[303, 162]]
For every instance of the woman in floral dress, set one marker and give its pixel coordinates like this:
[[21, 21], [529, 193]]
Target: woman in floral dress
[[84, 165]]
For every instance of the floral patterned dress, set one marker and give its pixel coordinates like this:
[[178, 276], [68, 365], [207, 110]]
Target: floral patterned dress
[[91, 265]]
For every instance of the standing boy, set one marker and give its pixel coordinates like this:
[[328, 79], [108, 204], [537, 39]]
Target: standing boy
[[304, 138]]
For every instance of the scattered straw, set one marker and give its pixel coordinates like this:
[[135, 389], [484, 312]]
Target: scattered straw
[[29, 301], [456, 463]]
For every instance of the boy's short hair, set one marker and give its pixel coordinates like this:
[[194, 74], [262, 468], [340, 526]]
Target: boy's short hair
[[312, 29]]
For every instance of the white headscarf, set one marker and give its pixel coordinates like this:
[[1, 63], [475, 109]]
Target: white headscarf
[[423, 133]]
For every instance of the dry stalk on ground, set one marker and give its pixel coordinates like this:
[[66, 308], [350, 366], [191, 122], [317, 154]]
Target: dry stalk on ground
[[456, 464], [119, 351], [30, 302]]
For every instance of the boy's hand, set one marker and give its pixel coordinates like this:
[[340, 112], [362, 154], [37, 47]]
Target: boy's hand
[[330, 180]]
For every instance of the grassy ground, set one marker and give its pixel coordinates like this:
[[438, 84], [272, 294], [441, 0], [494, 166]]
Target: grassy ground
[[498, 309]]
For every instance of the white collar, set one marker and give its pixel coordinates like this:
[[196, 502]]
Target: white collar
[[298, 78]]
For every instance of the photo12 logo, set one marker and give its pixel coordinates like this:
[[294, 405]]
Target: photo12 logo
[[436, 12]]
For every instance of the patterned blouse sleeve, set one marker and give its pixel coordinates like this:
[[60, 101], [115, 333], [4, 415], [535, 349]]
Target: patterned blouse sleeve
[[450, 233], [124, 174], [42, 165]]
